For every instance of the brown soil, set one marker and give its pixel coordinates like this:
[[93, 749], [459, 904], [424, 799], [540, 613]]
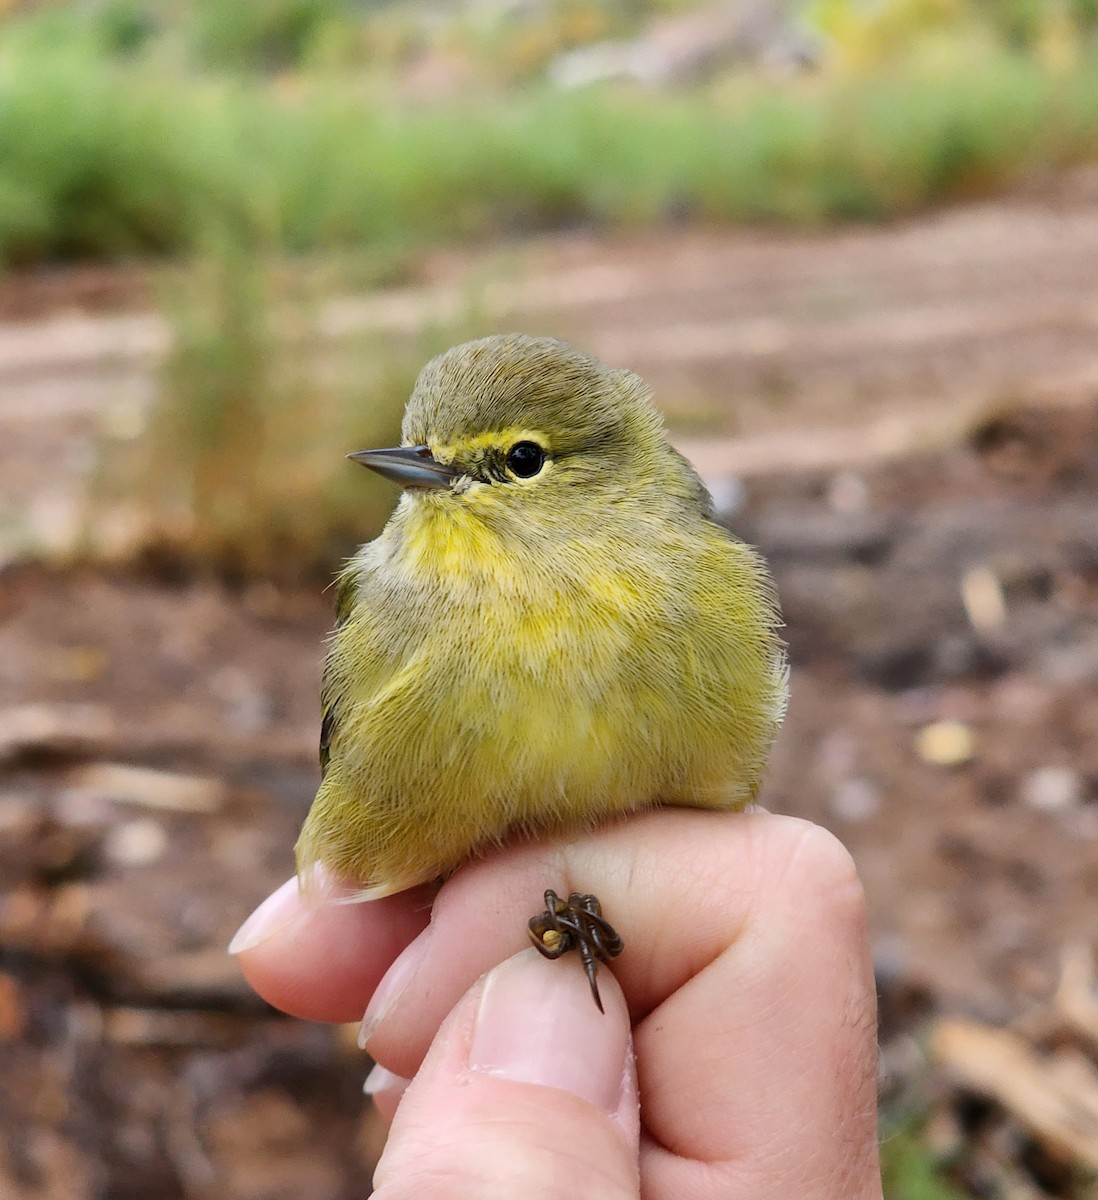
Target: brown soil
[[945, 573]]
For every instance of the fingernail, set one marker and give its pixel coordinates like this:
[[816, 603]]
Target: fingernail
[[380, 1079], [394, 983], [277, 912], [537, 1023]]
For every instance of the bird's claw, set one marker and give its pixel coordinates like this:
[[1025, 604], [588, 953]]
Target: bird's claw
[[576, 924]]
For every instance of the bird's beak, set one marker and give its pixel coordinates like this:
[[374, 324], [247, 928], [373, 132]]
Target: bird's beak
[[410, 466]]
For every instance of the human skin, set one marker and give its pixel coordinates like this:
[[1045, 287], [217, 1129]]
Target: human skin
[[745, 993]]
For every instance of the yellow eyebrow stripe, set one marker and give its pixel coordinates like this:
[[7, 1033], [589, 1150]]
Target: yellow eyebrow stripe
[[502, 439]]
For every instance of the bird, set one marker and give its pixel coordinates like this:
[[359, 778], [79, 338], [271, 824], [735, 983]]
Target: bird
[[552, 630]]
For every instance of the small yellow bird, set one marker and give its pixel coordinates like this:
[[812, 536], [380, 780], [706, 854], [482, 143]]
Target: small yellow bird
[[552, 628]]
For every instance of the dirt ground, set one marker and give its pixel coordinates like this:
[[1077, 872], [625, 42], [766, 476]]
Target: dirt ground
[[904, 420]]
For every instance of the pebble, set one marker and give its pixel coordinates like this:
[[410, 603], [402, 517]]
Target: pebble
[[945, 743], [984, 601], [138, 843], [1051, 789], [855, 800]]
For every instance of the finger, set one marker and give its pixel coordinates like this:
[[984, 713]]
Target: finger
[[678, 885], [323, 962], [527, 1090], [746, 968], [759, 1076]]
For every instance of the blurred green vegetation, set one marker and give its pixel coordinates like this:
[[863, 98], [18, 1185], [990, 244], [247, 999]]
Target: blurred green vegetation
[[222, 139], [127, 134], [237, 469], [909, 1170]]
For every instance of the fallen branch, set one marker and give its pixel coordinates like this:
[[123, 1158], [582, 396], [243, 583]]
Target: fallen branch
[[1055, 1096]]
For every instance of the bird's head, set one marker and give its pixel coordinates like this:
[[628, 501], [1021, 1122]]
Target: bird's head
[[532, 425]]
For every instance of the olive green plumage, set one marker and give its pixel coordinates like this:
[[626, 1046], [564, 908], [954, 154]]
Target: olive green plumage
[[535, 642]]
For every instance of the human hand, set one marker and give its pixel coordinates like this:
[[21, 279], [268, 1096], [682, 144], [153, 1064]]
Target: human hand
[[746, 993]]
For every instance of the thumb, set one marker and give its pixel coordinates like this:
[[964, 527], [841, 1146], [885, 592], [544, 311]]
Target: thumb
[[527, 1090]]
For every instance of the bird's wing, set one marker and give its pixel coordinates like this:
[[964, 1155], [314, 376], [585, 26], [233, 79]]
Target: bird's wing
[[330, 685], [697, 492]]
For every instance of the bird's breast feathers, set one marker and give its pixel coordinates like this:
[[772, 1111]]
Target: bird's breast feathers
[[488, 656]]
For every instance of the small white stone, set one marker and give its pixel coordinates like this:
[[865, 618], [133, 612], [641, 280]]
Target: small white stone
[[137, 843], [855, 800], [1052, 789], [984, 601]]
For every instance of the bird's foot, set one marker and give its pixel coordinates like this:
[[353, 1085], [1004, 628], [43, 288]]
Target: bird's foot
[[576, 924]]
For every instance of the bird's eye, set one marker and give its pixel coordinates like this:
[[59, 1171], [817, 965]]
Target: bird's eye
[[525, 459]]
